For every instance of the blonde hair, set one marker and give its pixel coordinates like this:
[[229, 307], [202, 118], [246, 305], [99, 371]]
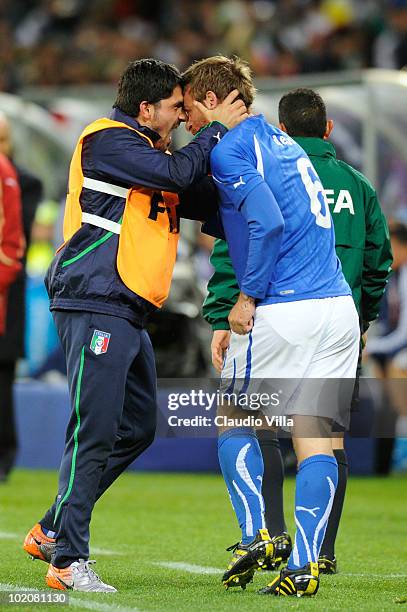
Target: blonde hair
[[221, 75]]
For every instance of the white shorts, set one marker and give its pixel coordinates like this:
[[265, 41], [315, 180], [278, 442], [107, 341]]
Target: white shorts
[[297, 346]]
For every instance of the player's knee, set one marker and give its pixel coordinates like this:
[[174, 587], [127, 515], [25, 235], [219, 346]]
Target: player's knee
[[308, 447]]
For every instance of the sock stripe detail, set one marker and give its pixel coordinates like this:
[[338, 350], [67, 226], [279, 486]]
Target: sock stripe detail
[[244, 474], [304, 537], [249, 519], [324, 519], [296, 554]]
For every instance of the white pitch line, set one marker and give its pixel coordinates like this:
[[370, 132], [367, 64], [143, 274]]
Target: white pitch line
[[7, 535], [14, 587], [106, 551], [188, 567], [94, 605], [373, 575], [73, 600], [200, 569]]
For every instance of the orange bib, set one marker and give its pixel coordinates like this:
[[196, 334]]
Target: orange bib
[[148, 235]]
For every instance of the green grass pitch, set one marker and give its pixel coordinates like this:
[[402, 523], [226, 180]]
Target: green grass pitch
[[147, 521]]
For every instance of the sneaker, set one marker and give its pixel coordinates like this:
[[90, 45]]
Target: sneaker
[[304, 581], [38, 545], [282, 550], [77, 577], [247, 558], [327, 565]]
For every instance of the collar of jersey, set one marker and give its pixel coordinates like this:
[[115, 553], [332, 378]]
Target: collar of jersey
[[316, 146], [118, 115]]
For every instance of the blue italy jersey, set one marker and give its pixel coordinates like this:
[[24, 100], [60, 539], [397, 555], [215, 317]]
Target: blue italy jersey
[[276, 220]]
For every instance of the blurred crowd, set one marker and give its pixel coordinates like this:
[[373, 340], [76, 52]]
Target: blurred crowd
[[81, 42], [65, 42]]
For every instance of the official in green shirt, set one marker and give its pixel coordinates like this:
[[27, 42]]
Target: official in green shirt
[[363, 247]]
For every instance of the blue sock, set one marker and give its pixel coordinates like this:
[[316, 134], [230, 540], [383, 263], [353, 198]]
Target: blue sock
[[316, 482], [241, 463]]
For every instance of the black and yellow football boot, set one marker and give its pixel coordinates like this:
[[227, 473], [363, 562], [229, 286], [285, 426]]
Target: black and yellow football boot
[[304, 581], [246, 559], [327, 565], [282, 550]]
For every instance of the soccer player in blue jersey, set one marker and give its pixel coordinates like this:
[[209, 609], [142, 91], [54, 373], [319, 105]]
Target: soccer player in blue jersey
[[294, 320]]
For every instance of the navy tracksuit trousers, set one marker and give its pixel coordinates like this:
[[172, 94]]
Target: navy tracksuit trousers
[[113, 419]]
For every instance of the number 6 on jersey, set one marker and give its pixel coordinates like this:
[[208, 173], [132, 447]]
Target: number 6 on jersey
[[314, 188]]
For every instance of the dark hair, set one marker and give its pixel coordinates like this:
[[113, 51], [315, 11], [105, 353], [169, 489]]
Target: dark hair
[[303, 113], [145, 80]]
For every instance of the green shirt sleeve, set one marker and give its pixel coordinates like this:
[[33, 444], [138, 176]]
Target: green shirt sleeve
[[377, 259], [223, 289]]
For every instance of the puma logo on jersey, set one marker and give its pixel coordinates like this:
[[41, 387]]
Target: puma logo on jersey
[[217, 136], [241, 182]]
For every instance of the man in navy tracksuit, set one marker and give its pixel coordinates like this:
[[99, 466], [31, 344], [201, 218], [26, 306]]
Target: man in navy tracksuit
[[114, 268]]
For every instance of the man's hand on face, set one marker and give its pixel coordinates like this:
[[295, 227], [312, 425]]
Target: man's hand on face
[[230, 112], [241, 316], [220, 342]]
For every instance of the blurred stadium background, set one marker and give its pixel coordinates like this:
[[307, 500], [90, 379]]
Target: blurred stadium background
[[59, 65]]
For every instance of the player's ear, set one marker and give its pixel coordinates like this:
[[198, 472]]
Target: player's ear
[[145, 111], [329, 128], [282, 127], [211, 100]]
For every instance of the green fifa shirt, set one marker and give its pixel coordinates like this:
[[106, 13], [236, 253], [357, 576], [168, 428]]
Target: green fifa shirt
[[361, 237]]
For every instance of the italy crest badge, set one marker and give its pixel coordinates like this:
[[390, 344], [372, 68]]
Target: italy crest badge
[[100, 342]]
